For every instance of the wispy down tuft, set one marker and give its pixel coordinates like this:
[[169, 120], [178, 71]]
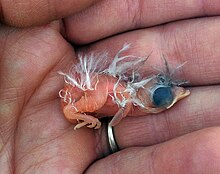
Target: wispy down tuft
[[84, 75]]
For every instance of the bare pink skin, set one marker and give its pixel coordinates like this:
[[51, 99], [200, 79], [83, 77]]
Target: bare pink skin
[[90, 105], [94, 101]]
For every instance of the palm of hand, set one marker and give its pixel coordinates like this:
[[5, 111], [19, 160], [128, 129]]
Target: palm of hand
[[33, 125]]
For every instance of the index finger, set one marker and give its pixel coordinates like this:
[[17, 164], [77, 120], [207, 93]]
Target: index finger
[[112, 17], [34, 12]]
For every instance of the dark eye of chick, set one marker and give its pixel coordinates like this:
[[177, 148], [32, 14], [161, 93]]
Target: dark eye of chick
[[162, 97]]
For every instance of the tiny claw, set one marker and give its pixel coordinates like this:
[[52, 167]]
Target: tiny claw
[[76, 127], [91, 126], [98, 125], [95, 125], [79, 125]]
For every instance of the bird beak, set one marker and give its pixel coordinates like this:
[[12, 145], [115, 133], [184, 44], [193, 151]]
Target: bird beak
[[179, 93]]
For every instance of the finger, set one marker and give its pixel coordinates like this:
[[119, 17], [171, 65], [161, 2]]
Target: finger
[[198, 111], [190, 41], [112, 17], [194, 153], [24, 13]]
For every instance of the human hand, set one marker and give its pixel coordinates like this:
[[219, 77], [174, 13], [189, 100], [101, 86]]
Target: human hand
[[183, 139], [36, 138]]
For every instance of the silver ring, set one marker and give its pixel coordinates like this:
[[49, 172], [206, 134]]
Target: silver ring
[[111, 139]]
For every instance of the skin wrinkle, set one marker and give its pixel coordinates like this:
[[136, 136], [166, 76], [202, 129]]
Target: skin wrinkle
[[15, 88], [48, 70], [134, 12], [191, 42], [39, 88], [43, 144], [11, 94], [7, 129], [42, 136], [165, 132], [17, 35], [202, 111], [170, 122], [3, 46], [39, 149], [199, 61], [148, 130], [36, 166], [210, 56], [12, 140], [7, 152], [16, 67], [4, 143], [38, 108], [177, 50], [168, 127], [151, 159], [9, 139], [212, 116], [169, 37], [52, 11], [10, 44], [52, 31], [9, 110]]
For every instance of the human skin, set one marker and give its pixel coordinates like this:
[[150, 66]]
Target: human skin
[[35, 137]]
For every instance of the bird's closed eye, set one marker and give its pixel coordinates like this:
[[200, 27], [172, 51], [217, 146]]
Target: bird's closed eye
[[162, 96]]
